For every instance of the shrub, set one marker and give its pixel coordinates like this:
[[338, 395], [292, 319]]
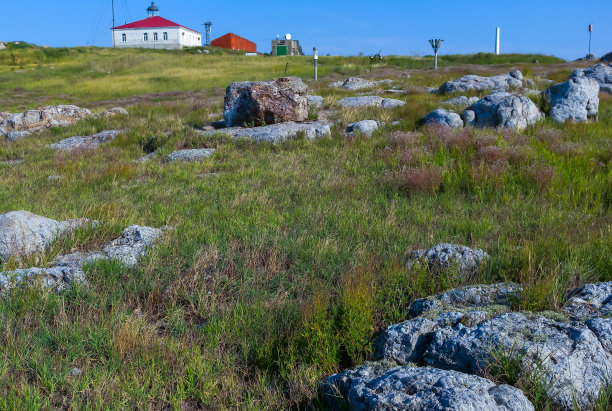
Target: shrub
[[424, 178]]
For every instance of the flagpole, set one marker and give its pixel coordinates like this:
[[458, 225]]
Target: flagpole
[[113, 8]]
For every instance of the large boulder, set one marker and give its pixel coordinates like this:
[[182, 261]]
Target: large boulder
[[478, 83], [80, 143], [502, 109], [607, 58], [443, 117], [575, 100], [23, 234], [266, 102], [601, 73], [22, 124], [276, 133], [383, 386], [448, 256], [113, 112], [569, 359]]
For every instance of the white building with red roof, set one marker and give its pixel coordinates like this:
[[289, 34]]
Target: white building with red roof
[[155, 32]]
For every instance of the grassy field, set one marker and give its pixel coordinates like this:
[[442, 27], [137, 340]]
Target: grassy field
[[287, 259]]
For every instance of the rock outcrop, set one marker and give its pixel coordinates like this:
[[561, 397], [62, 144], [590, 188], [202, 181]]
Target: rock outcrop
[[127, 248], [574, 100], [607, 58], [471, 331], [23, 234], [443, 117], [23, 124], [55, 278], [276, 133], [477, 83], [356, 83], [502, 109], [369, 101], [266, 102], [383, 386], [82, 143], [601, 73], [190, 155], [448, 256]]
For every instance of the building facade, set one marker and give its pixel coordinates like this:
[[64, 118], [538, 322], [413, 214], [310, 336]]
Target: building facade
[[155, 32], [286, 47], [230, 41]]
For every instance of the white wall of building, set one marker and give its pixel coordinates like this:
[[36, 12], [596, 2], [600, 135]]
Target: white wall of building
[[176, 38]]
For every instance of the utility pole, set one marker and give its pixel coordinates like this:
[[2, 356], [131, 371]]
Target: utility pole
[[113, 8], [436, 44]]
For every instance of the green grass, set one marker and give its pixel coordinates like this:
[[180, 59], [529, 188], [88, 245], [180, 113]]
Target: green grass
[[287, 259]]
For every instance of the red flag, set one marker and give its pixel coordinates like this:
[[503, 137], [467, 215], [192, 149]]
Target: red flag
[[590, 27]]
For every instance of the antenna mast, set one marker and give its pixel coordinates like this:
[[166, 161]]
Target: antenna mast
[[113, 9]]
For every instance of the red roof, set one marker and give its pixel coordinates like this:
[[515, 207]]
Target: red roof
[[151, 22]]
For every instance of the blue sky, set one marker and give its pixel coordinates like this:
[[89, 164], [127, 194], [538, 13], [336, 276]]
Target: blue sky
[[336, 27]]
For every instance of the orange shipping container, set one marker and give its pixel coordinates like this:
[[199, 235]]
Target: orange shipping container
[[233, 42]]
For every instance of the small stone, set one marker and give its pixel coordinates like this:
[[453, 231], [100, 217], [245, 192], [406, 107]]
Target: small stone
[[444, 256], [443, 117], [113, 112], [75, 372], [315, 101], [79, 143], [365, 127], [478, 83]]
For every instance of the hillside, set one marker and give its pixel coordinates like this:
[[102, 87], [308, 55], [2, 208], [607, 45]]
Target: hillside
[[283, 262]]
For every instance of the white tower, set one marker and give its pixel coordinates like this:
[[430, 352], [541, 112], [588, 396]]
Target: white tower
[[497, 41]]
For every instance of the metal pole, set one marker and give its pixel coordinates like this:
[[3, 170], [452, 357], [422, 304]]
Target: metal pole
[[113, 8], [436, 60], [315, 56], [590, 36], [497, 41]]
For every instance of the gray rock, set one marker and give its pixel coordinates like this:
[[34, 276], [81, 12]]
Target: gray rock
[[269, 102], [4, 115], [2, 46], [75, 372], [392, 103], [370, 101], [54, 178], [365, 127], [473, 296], [79, 143], [591, 300], [356, 83], [23, 234], [11, 162], [478, 83], [22, 124], [54, 278], [147, 157], [128, 248], [443, 117], [601, 73], [502, 109], [380, 386], [461, 101], [575, 100], [316, 101], [362, 101], [444, 256], [190, 155], [276, 133], [607, 58], [112, 112], [569, 358]]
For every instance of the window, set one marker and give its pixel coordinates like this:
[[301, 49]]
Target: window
[[165, 36], [145, 37], [124, 37], [154, 36]]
